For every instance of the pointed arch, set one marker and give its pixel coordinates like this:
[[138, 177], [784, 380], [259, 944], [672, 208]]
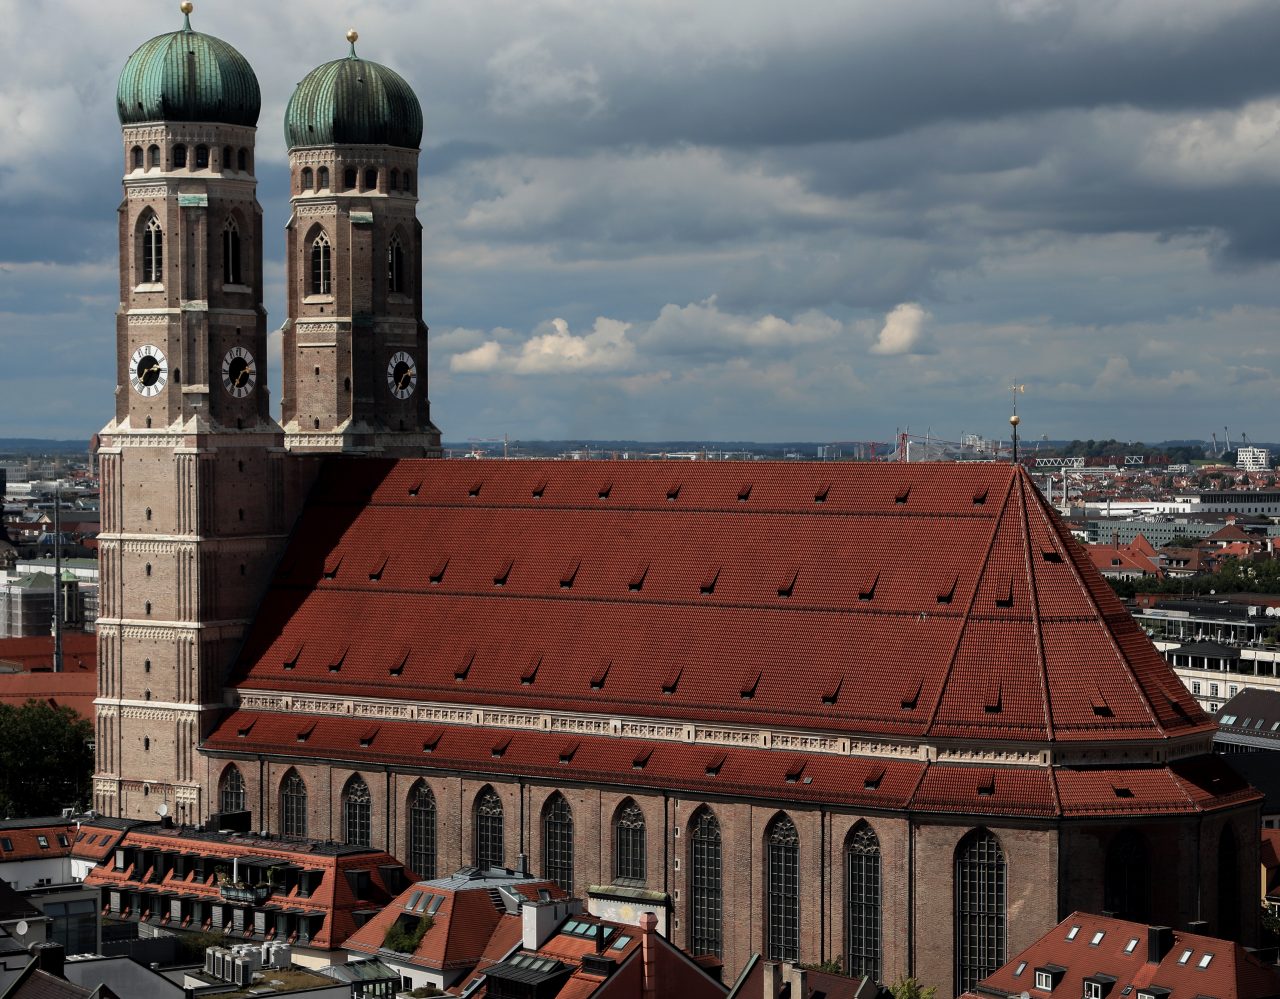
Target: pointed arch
[[782, 889], [488, 820], [980, 900], [395, 263], [1127, 879], [231, 790], [557, 841], [293, 805], [151, 249], [862, 902], [422, 831], [153, 156], [629, 855], [321, 264], [135, 158], [706, 884], [231, 272], [304, 183], [357, 808], [1228, 885]]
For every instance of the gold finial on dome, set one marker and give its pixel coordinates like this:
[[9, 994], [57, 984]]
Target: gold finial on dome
[[186, 7], [1015, 419], [352, 35]]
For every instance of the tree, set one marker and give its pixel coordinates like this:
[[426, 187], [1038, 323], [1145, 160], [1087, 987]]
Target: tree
[[910, 988], [46, 762]]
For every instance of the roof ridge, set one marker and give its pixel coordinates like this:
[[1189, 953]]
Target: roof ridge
[[1046, 693], [968, 611]]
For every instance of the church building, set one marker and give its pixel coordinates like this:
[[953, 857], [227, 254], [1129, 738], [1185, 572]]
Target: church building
[[883, 714]]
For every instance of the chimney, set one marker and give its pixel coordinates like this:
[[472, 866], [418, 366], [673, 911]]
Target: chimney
[[1198, 926], [799, 980], [649, 955], [772, 980], [49, 957], [600, 937], [1159, 943]]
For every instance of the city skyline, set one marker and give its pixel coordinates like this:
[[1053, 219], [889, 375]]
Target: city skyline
[[730, 223]]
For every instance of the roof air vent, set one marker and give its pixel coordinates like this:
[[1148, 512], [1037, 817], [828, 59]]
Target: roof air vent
[[500, 747], [437, 574], [994, 701], [305, 733], [605, 490], [531, 671], [292, 661], [474, 491], [398, 664], [381, 566], [463, 668], [795, 770], [504, 573], [415, 488], [987, 784], [714, 763], [569, 574], [636, 584], [539, 488], [980, 497], [672, 681], [867, 590], [902, 495], [601, 674], [945, 595], [788, 584], [708, 584], [911, 695], [244, 730], [673, 492], [367, 737], [568, 750], [331, 566], [749, 684], [822, 492], [872, 781], [832, 692], [1099, 703], [641, 759], [336, 665], [1005, 592], [431, 740], [744, 493]]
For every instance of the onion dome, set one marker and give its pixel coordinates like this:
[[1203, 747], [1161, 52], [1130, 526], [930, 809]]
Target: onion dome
[[353, 102], [188, 76]]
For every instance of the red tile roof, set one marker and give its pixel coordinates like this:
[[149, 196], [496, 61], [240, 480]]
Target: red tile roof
[[24, 840], [1229, 972], [79, 652], [897, 600]]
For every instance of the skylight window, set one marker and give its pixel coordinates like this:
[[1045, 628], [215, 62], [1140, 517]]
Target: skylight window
[[1022, 966], [1129, 947], [43, 842], [1073, 932], [1204, 961], [436, 902], [6, 844], [1185, 957], [413, 900], [1097, 938], [63, 841]]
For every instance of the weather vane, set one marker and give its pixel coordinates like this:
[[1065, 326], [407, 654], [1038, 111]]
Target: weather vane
[[1015, 419]]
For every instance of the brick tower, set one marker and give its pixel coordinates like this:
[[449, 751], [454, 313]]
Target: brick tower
[[355, 345], [191, 464]]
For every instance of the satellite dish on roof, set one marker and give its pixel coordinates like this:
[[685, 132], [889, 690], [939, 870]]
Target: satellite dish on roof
[[162, 809], [22, 927]]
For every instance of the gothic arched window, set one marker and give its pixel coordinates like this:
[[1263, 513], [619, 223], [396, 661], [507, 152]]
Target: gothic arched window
[[557, 842], [232, 791], [395, 264], [862, 902], [980, 908], [305, 184], [231, 253], [322, 178], [293, 806], [179, 156], [705, 886], [628, 843], [153, 156], [1228, 885], [321, 264], [152, 252], [1126, 885], [356, 809], [488, 823], [136, 160], [370, 179], [782, 890], [202, 157], [422, 831]]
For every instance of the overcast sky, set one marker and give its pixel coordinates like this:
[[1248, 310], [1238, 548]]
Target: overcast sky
[[722, 219]]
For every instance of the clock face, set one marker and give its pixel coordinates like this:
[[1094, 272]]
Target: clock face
[[239, 372], [402, 375], [148, 370]]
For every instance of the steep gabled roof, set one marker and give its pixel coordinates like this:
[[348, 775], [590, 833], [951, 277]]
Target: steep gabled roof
[[920, 601]]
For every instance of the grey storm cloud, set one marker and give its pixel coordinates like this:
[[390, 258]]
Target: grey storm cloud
[[729, 220]]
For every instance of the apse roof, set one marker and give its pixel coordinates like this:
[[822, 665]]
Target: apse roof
[[941, 601]]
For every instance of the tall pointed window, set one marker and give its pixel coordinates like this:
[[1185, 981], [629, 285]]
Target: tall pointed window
[[202, 157], [862, 902], [356, 809], [304, 183], [293, 806], [628, 843], [136, 160], [422, 831], [1126, 885], [706, 913], [152, 252], [320, 264], [395, 264], [782, 889], [232, 790], [153, 156], [488, 823], [322, 178], [179, 156], [231, 253], [557, 842], [980, 908]]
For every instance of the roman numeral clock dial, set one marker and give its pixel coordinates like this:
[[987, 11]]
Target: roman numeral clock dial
[[402, 375], [239, 372], [148, 370]]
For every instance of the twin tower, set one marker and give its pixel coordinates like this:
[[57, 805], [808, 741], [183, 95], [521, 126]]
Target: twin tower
[[200, 485]]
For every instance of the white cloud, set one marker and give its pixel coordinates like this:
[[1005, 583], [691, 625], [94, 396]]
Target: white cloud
[[527, 77], [553, 349], [902, 331]]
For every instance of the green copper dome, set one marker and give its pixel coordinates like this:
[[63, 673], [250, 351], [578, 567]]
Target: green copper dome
[[187, 76], [353, 102]]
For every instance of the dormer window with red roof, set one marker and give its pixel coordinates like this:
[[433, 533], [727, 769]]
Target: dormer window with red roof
[[987, 784], [902, 495], [305, 733], [744, 493], [601, 674], [604, 491], [331, 566], [531, 671], [367, 737], [867, 588], [500, 747], [980, 497], [993, 702], [636, 583], [708, 584], [415, 488], [399, 662], [641, 759], [431, 741], [336, 665], [672, 681], [948, 591], [1099, 703], [872, 781], [749, 684], [437, 574], [822, 492], [464, 667], [911, 695], [244, 730], [787, 584], [831, 693], [380, 566], [539, 488], [504, 573], [714, 764], [673, 492], [569, 574], [474, 491], [568, 751], [795, 770], [1004, 592]]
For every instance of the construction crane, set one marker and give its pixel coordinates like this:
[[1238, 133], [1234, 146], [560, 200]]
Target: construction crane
[[492, 440]]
